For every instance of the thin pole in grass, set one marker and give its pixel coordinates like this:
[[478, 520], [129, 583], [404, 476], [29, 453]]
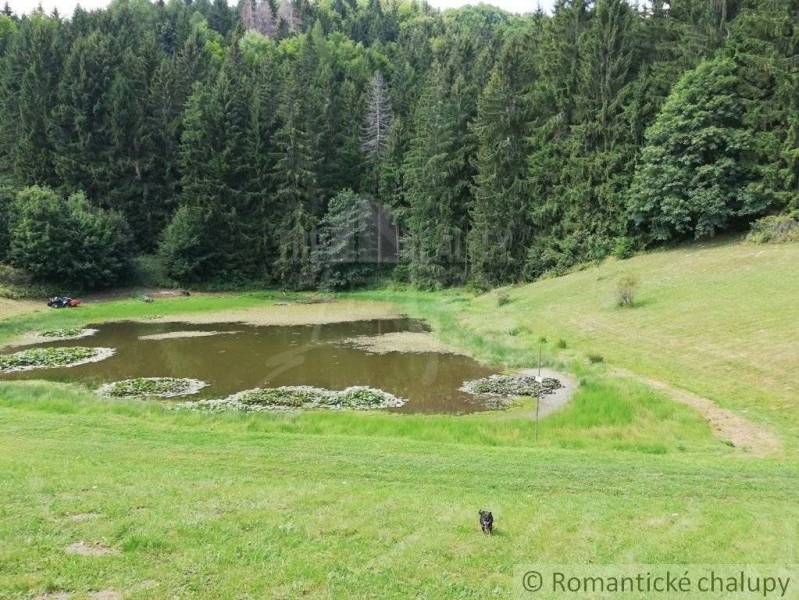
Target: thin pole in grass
[[539, 379]]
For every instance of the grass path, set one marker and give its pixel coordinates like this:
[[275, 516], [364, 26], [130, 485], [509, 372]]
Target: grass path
[[726, 425]]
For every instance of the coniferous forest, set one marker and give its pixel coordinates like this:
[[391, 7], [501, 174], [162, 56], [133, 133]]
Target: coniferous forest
[[254, 144]]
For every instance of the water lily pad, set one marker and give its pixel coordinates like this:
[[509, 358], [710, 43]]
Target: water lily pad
[[68, 333], [300, 397], [49, 358], [510, 386], [159, 387]]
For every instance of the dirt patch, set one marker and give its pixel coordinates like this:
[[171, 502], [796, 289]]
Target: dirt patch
[[558, 398], [725, 424], [172, 335], [90, 549], [53, 596], [12, 308], [106, 595], [292, 314], [401, 341]]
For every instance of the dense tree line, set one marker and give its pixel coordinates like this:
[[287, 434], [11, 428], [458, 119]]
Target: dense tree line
[[257, 143]]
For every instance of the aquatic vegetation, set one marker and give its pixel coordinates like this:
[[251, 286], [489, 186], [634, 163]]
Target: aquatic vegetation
[[511, 386], [362, 397], [287, 396], [61, 333], [301, 396], [158, 387], [47, 358]]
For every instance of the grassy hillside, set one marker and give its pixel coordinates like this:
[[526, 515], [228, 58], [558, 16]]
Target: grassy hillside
[[720, 319]]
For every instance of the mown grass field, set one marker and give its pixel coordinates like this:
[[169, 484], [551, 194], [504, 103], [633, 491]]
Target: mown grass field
[[234, 507], [384, 506]]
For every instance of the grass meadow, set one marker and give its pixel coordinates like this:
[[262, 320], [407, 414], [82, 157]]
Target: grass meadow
[[334, 505]]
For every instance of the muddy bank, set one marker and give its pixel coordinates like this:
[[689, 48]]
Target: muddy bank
[[291, 314], [557, 398], [40, 337], [173, 335], [401, 341]]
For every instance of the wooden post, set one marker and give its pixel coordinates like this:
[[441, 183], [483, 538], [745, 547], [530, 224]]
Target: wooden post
[[540, 343]]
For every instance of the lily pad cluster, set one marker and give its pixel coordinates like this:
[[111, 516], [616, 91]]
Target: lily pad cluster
[[48, 358], [67, 333], [149, 387], [60, 333], [294, 397], [511, 386]]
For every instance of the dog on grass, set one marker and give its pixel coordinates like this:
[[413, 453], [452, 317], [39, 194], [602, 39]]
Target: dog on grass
[[486, 522]]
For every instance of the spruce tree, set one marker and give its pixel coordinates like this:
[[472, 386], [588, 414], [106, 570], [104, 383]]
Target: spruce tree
[[297, 195], [83, 118], [500, 224], [603, 146], [436, 215], [28, 92]]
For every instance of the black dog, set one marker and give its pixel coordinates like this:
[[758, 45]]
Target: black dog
[[486, 522]]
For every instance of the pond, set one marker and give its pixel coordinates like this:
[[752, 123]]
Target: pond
[[232, 357]]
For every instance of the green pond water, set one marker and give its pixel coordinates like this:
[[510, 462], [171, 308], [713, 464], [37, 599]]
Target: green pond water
[[270, 356]]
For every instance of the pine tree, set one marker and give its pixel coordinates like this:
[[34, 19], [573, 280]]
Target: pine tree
[[8, 29], [260, 158], [163, 112], [83, 118], [552, 102], [258, 16], [603, 147], [347, 253], [129, 157], [378, 118], [768, 71], [265, 19], [214, 175], [436, 214], [297, 194], [500, 225], [29, 99], [220, 18]]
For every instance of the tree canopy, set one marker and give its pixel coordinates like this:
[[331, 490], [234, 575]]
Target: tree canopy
[[235, 142]]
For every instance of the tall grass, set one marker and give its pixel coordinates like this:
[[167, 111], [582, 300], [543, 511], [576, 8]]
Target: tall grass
[[604, 415]]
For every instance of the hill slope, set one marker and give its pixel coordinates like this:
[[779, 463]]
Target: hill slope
[[721, 320]]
